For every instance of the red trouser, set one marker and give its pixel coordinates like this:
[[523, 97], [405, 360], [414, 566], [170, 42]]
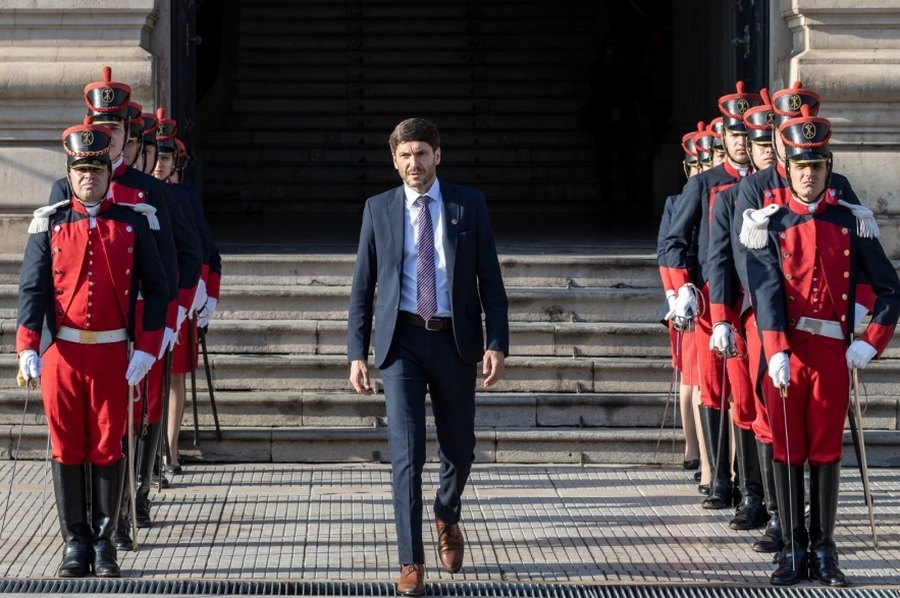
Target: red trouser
[[86, 401], [709, 362], [744, 412], [817, 402], [754, 357]]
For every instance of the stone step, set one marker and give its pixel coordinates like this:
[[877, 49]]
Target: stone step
[[329, 337], [526, 304], [276, 409], [494, 445]]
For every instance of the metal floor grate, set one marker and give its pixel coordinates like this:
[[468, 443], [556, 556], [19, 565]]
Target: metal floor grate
[[487, 590]]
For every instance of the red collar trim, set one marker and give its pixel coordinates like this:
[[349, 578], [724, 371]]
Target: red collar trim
[[120, 170]]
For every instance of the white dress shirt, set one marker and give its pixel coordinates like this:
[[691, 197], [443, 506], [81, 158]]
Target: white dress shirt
[[411, 250]]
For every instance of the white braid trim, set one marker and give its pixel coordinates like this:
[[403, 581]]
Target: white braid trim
[[865, 220], [754, 230], [41, 221], [148, 211]]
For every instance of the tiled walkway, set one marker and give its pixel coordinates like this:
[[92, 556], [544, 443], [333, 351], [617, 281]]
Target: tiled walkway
[[522, 523]]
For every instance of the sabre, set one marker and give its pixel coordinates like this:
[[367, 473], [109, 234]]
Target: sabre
[[191, 345], [30, 384], [722, 430], [131, 476], [782, 390], [209, 383], [44, 484], [863, 464], [164, 435]]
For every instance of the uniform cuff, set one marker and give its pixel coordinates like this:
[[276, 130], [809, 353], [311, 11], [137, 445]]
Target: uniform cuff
[[150, 341], [774, 342], [27, 339], [878, 335], [212, 285]]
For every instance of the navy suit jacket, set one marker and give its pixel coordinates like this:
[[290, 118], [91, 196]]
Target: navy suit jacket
[[473, 272]]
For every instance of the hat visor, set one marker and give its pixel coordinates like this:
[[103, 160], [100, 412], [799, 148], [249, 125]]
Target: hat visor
[[808, 157], [89, 162]]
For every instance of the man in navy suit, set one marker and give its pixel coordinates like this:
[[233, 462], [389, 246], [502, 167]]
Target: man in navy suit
[[429, 247]]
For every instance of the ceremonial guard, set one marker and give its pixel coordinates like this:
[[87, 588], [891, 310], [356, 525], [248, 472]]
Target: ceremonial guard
[[148, 161], [734, 328], [717, 126], [177, 243], [134, 144], [85, 262], [693, 296], [802, 270], [681, 341]]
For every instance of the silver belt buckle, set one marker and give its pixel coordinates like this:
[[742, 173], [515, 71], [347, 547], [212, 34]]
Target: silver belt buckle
[[813, 326], [436, 323]]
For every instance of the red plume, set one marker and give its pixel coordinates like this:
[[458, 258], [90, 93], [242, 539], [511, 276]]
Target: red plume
[[766, 98], [160, 113], [107, 74], [804, 110], [797, 85], [88, 120], [740, 86], [701, 126]]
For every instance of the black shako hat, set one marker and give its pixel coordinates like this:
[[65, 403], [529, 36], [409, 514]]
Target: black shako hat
[[733, 106], [690, 152], [165, 133], [787, 103], [135, 124], [760, 120], [718, 127], [87, 144], [148, 128], [107, 100], [806, 138], [703, 140]]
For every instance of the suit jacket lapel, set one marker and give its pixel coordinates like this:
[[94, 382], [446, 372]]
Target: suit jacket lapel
[[451, 229], [396, 214]]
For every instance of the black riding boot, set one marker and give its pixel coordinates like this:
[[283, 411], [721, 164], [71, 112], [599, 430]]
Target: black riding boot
[[144, 468], [720, 491], [105, 505], [71, 506], [751, 512], [771, 538], [823, 498], [789, 488], [122, 536]]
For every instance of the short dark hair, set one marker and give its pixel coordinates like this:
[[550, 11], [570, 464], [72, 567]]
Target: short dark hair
[[415, 129]]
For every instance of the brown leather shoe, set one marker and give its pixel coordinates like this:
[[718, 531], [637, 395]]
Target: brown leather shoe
[[451, 546], [412, 580]]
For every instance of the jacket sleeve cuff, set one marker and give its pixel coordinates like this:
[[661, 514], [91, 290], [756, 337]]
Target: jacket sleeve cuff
[[150, 341], [678, 277], [27, 339], [666, 281], [186, 298], [204, 273], [212, 285], [719, 313], [878, 335], [774, 342], [172, 314]]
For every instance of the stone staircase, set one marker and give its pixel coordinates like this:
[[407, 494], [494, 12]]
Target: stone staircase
[[585, 383]]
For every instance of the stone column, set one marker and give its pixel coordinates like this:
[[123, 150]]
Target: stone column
[[49, 50], [849, 53]]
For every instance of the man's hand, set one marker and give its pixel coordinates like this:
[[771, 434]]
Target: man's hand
[[780, 369], [359, 377], [722, 339], [859, 353], [30, 365], [494, 363]]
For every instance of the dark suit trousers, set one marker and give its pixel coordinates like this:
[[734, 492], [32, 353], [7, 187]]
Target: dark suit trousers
[[418, 360]]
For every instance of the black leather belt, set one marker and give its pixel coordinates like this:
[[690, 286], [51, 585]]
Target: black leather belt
[[432, 325]]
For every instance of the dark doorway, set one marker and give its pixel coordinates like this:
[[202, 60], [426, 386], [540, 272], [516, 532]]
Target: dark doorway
[[560, 112]]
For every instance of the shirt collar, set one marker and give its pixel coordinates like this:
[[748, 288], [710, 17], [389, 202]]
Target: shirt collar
[[434, 192]]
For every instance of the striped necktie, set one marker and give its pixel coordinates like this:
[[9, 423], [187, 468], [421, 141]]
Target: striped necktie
[[426, 291]]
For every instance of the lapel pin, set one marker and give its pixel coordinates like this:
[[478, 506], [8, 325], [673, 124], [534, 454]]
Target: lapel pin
[[454, 221]]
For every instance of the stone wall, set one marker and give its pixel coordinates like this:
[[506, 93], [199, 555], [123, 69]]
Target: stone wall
[[849, 53], [49, 50]]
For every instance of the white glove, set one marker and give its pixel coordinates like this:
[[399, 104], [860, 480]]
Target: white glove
[[861, 311], [199, 298], [859, 353], [722, 338], [670, 299], [780, 369], [686, 303], [179, 319], [206, 314], [168, 341], [140, 364], [30, 364]]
